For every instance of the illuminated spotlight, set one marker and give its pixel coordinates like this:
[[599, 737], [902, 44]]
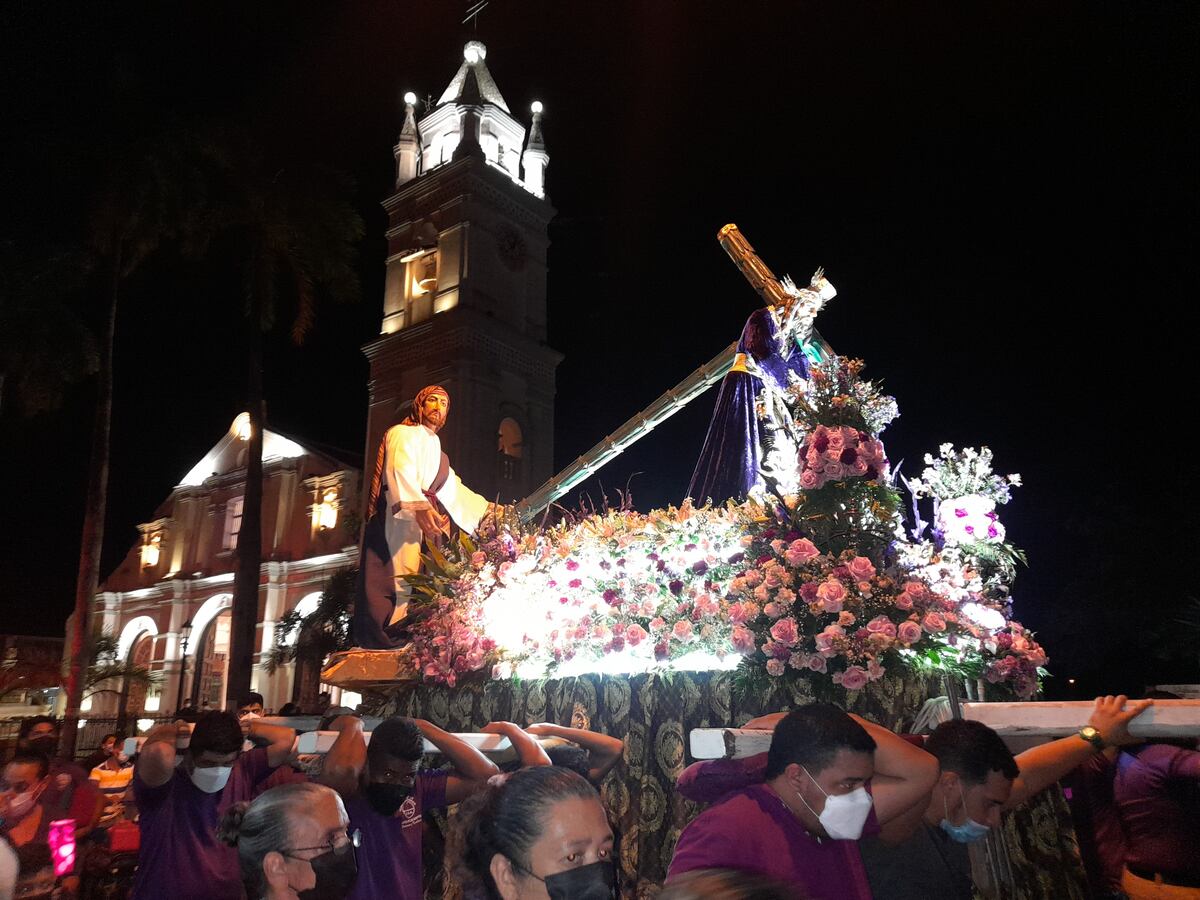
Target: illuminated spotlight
[[410, 98]]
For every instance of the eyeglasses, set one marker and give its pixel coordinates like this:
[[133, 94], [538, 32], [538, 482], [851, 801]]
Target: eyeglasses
[[352, 839]]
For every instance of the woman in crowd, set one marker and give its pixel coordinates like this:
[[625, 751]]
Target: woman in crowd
[[535, 834], [292, 842]]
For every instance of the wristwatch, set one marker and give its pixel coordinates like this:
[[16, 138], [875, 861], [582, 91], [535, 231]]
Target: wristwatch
[[1093, 737]]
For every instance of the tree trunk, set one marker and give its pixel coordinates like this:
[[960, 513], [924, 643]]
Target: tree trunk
[[244, 633], [88, 578]]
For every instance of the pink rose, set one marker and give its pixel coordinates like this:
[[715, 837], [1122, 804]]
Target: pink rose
[[657, 623], [742, 639], [801, 551], [874, 670], [817, 664], [861, 569], [775, 667], [810, 481], [831, 593], [706, 605], [908, 632], [785, 632], [933, 622], [882, 625], [682, 630], [635, 634], [837, 440], [833, 471], [808, 591], [478, 558], [854, 678], [774, 610]]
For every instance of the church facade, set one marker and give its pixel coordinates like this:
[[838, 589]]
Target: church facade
[[464, 306], [168, 603]]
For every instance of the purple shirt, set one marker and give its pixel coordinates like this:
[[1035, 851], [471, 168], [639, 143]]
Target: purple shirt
[[389, 860], [753, 831], [180, 857], [1156, 790]]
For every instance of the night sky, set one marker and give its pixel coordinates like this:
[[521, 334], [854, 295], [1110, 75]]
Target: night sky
[[1003, 194]]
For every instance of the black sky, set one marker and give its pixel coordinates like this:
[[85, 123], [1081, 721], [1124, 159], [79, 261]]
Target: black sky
[[1003, 194]]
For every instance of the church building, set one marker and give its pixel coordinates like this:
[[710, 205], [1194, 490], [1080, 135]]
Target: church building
[[464, 306]]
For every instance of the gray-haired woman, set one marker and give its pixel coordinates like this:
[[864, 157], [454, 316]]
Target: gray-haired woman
[[292, 842]]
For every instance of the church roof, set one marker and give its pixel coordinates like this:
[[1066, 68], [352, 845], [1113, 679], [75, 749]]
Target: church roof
[[473, 83]]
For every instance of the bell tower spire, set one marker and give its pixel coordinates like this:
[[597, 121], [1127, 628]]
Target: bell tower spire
[[465, 295]]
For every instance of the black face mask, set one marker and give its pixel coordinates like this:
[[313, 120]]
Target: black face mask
[[386, 798], [47, 744], [336, 872], [597, 881]]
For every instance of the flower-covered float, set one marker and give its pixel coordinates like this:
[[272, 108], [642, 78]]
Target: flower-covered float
[[818, 577]]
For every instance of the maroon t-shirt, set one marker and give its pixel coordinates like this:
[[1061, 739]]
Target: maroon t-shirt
[[389, 860], [752, 830], [180, 857]]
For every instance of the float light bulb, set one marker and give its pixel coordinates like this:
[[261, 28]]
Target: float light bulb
[[410, 98]]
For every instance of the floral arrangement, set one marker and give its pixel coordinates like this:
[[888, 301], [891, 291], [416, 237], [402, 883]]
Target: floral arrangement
[[821, 585]]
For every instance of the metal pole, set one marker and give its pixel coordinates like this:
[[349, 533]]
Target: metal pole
[[183, 645]]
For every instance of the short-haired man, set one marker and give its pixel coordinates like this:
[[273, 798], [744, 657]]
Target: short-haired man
[[926, 856], [828, 779], [251, 704], [180, 807], [386, 794]]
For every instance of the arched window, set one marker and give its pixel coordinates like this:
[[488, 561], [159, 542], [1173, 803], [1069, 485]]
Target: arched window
[[142, 657], [510, 443], [212, 661]]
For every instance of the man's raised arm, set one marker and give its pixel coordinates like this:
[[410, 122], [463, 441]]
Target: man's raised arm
[[346, 759], [904, 774], [472, 767], [1043, 766], [156, 760]]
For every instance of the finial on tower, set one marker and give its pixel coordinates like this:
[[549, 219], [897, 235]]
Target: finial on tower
[[408, 148], [474, 52], [535, 158]]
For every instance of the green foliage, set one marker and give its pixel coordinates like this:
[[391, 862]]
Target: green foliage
[[324, 631]]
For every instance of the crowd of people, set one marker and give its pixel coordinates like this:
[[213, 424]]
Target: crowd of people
[[839, 808]]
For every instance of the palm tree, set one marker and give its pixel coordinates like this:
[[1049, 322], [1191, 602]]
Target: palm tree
[[153, 191], [297, 233]]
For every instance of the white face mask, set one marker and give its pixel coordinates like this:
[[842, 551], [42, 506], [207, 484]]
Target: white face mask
[[20, 805], [844, 815], [211, 779]]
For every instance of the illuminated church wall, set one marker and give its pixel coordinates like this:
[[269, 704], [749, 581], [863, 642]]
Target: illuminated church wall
[[181, 567]]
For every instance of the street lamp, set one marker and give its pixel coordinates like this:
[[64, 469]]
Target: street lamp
[[185, 632]]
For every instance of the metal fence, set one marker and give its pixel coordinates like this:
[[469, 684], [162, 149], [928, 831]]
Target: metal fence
[[91, 732]]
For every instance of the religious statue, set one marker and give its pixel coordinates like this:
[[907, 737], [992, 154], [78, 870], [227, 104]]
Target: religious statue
[[415, 496], [749, 420]]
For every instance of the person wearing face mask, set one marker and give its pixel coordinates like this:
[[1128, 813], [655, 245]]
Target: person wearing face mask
[[180, 805], [23, 818], [386, 794], [796, 813], [537, 834], [108, 747], [68, 793], [926, 852], [293, 841]]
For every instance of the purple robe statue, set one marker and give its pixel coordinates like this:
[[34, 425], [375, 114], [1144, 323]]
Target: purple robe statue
[[729, 463]]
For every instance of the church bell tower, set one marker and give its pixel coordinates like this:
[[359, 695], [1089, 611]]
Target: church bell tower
[[464, 304]]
